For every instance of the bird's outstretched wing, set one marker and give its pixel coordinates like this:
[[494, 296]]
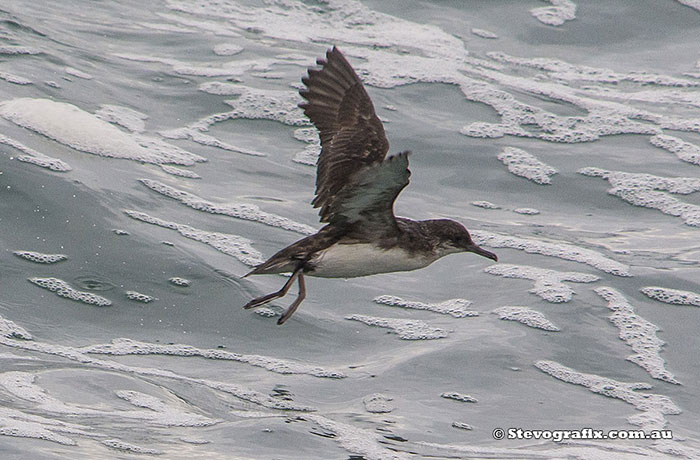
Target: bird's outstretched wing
[[353, 182]]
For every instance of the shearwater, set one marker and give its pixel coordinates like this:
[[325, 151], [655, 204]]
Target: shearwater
[[356, 187]]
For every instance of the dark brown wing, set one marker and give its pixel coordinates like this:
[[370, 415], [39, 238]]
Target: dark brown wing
[[353, 144]]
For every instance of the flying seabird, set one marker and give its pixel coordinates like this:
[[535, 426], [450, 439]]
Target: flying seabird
[[356, 187]]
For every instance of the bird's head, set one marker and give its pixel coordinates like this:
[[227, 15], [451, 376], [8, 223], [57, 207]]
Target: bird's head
[[455, 238]]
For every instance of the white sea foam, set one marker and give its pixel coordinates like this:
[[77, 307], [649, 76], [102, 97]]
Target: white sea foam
[[17, 423], [577, 450], [78, 73], [11, 50], [15, 356], [525, 165], [484, 129], [201, 24], [76, 128], [231, 69], [40, 258], [673, 296], [647, 191], [686, 151], [16, 79], [227, 49], [128, 118], [308, 156], [45, 162], [253, 103], [308, 135], [527, 211], [549, 284], [63, 289], [387, 69], [452, 307], [34, 157], [603, 117], [527, 317], [335, 20], [160, 26], [462, 426], [557, 14], [691, 3], [11, 330], [122, 346], [674, 448], [638, 333], [458, 397], [161, 413], [622, 180], [232, 245], [661, 201], [239, 210], [269, 75], [562, 250], [366, 443], [383, 68], [23, 386], [406, 329], [138, 297], [266, 312], [130, 448], [74, 354], [653, 406], [658, 96], [199, 137], [483, 33], [562, 70], [179, 281], [195, 441], [378, 403], [180, 172], [485, 205]]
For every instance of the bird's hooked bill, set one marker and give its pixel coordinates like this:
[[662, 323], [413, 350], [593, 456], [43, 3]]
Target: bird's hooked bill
[[482, 252]]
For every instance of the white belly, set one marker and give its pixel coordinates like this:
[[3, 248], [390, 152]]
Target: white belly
[[353, 260]]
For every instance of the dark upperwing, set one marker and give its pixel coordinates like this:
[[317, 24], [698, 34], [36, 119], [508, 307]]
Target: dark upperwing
[[354, 183]]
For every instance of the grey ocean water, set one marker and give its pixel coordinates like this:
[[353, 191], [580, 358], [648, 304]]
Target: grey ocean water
[[143, 144]]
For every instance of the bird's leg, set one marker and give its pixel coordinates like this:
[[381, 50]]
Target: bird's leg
[[275, 295], [293, 307]]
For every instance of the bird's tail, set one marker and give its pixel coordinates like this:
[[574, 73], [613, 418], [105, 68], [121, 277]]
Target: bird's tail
[[274, 266]]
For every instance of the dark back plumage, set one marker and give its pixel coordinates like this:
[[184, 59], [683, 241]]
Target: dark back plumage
[[354, 182]]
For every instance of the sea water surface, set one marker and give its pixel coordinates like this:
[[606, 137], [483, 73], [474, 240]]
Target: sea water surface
[[151, 153]]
